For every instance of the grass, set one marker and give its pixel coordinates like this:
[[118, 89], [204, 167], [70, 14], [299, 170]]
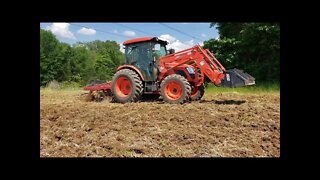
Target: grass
[[258, 88]]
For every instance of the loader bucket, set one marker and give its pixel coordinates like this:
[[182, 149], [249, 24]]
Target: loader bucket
[[237, 78]]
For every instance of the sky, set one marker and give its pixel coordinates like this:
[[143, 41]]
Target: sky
[[179, 35]]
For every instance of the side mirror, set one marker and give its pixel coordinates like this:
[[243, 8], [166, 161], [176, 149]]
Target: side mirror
[[171, 51]]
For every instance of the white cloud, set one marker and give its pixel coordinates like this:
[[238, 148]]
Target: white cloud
[[203, 35], [87, 31], [168, 38], [176, 44], [62, 30], [218, 37], [129, 33], [201, 43], [115, 31], [190, 42]]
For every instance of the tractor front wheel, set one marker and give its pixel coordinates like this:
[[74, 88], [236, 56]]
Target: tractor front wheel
[[175, 89], [197, 92], [126, 86]]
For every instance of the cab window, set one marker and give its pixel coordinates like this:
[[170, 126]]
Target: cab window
[[159, 50]]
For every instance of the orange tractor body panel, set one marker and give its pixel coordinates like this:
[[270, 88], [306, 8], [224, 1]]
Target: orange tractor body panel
[[126, 66]]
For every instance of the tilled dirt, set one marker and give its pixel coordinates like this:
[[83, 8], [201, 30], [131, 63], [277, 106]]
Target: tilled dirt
[[220, 125]]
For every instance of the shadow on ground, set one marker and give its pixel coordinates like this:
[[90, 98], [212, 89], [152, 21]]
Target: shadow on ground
[[232, 102]]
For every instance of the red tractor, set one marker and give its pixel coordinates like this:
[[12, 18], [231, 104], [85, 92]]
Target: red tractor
[[152, 71]]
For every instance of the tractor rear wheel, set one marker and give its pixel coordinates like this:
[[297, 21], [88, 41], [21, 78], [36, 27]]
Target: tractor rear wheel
[[175, 89], [126, 86], [197, 92]]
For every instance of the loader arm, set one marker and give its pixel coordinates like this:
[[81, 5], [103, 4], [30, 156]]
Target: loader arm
[[201, 59], [208, 65]]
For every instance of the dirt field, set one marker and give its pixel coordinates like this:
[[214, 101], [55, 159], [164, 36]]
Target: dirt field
[[221, 125]]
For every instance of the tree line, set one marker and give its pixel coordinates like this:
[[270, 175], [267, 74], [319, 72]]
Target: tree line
[[253, 47], [81, 62]]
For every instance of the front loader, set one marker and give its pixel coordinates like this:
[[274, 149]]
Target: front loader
[[150, 70]]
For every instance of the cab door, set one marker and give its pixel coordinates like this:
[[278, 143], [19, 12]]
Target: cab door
[[158, 50], [139, 55]]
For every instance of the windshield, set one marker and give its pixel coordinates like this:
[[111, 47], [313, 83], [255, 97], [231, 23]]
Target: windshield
[[159, 50]]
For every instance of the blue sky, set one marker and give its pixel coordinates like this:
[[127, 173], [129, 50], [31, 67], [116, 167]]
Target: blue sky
[[120, 32]]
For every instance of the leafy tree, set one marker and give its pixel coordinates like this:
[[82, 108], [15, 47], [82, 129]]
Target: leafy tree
[[49, 60], [253, 47], [108, 58], [79, 63]]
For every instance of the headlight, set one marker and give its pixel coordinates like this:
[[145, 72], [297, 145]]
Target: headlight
[[190, 70]]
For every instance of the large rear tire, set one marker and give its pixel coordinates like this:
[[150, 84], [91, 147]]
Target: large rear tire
[[126, 86], [197, 92], [175, 89]]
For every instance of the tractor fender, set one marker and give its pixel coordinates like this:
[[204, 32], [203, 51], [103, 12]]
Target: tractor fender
[[126, 66]]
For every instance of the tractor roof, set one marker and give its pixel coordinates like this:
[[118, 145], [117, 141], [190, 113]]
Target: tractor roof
[[142, 39]]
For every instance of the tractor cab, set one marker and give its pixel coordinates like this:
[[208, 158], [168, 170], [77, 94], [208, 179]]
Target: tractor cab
[[144, 53]]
